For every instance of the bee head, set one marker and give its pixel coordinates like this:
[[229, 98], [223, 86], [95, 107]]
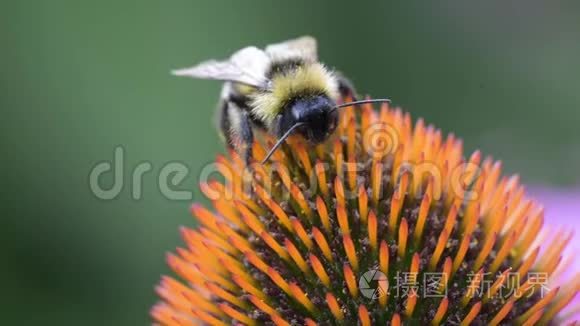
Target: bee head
[[315, 115], [315, 118]]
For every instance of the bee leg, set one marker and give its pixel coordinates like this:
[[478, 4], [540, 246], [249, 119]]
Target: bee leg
[[246, 137], [346, 88], [224, 123], [237, 127]]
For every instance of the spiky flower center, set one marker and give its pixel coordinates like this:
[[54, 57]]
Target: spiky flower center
[[385, 224]]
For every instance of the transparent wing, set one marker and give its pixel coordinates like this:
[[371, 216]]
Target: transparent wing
[[304, 47], [247, 66]]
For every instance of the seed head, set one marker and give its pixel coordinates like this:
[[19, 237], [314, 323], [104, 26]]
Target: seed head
[[387, 223]]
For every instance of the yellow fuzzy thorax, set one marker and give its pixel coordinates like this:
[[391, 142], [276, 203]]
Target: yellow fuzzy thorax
[[308, 79]]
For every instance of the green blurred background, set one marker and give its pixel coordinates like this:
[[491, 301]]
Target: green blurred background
[[78, 78]]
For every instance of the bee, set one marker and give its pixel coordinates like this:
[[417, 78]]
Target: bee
[[282, 90]]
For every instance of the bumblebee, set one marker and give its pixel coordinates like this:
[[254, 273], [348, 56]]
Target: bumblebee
[[282, 89]]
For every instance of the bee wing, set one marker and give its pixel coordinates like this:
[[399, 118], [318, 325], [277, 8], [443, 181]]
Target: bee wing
[[304, 47], [247, 66]]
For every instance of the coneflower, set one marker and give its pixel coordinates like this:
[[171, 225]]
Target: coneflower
[[386, 224]]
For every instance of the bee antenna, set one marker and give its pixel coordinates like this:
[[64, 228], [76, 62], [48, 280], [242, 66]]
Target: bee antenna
[[376, 100], [281, 141]]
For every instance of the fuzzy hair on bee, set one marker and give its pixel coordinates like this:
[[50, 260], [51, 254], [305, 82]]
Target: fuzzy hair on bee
[[282, 89], [308, 79]]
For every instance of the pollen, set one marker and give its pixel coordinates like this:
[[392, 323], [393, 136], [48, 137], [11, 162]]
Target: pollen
[[388, 222]]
